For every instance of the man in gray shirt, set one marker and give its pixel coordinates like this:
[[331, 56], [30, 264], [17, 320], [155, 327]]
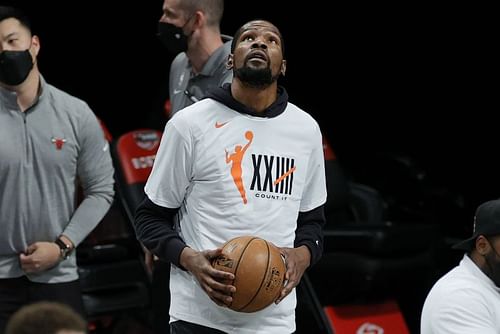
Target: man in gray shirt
[[50, 142], [190, 30]]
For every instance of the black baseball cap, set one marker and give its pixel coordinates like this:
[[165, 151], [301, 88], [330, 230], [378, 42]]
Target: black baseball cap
[[486, 222]]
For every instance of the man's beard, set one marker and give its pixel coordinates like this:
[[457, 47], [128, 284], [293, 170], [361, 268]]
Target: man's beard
[[493, 265], [255, 78]]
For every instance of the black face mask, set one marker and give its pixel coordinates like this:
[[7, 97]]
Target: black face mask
[[15, 66], [172, 38]]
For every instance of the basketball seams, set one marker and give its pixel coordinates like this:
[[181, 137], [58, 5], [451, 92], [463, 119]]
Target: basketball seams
[[238, 264], [266, 272]]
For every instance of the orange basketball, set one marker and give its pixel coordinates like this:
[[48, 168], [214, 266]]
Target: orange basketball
[[259, 272]]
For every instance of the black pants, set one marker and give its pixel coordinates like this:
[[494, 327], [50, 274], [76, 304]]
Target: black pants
[[183, 327], [160, 297], [20, 291]]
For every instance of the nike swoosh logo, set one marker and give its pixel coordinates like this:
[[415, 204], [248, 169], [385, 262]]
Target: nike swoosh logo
[[220, 125], [177, 91], [282, 177]]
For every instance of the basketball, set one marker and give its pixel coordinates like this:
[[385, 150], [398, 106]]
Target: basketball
[[259, 271]]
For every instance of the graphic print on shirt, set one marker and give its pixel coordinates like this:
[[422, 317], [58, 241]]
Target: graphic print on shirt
[[277, 177], [272, 177], [236, 158], [59, 142]]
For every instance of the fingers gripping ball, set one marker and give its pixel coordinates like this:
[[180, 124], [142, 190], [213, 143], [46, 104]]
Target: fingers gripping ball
[[259, 271]]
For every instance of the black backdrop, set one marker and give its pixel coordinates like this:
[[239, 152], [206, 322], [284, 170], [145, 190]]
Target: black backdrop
[[410, 78]]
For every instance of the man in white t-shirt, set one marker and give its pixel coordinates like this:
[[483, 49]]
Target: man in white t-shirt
[[243, 161], [467, 299]]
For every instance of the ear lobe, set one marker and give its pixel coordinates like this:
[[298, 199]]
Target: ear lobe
[[229, 63], [199, 19], [283, 67], [482, 246], [35, 44]]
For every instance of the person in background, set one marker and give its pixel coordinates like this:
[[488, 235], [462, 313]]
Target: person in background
[[467, 299], [46, 318], [51, 141], [190, 30], [197, 200]]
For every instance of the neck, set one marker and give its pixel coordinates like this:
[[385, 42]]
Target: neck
[[203, 46], [257, 99], [27, 92]]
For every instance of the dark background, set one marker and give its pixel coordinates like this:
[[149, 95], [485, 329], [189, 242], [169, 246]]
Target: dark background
[[413, 79]]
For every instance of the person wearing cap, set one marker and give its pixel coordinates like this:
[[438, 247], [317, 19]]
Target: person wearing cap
[[467, 298]]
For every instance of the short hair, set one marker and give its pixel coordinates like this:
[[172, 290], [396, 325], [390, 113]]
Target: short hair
[[213, 9], [243, 28], [45, 317], [7, 12]]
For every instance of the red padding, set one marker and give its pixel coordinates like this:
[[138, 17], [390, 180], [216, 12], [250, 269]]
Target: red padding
[[378, 318], [327, 149], [107, 134], [136, 151]]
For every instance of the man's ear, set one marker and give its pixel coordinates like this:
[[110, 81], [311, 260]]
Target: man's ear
[[229, 63], [283, 67], [482, 245], [199, 19], [35, 45]]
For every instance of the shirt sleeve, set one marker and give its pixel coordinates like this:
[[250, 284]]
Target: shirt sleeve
[[95, 175], [314, 193], [155, 229], [170, 177]]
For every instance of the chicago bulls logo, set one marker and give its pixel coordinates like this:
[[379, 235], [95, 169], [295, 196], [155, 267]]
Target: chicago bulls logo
[[59, 142]]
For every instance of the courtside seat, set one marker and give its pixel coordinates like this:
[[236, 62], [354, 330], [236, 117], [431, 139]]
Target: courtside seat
[[134, 153], [113, 279], [365, 257]]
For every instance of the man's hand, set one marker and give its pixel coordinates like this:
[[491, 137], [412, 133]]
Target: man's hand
[[297, 261], [216, 283], [40, 256]]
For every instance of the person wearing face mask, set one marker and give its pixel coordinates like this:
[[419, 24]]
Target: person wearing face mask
[[467, 299], [190, 29], [50, 142]]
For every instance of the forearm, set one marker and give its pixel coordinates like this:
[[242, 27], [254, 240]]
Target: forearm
[[309, 232], [86, 217], [154, 227]]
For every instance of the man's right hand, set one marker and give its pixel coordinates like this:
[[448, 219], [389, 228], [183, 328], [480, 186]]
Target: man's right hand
[[210, 279]]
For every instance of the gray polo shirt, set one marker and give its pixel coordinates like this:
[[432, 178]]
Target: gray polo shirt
[[44, 152], [185, 87]]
